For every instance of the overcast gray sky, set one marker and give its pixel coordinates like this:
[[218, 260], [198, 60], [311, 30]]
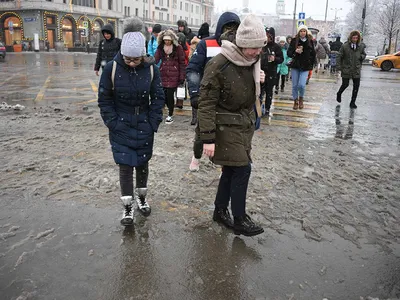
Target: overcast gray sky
[[313, 8]]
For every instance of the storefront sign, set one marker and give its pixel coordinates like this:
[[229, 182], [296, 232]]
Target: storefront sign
[[29, 19]]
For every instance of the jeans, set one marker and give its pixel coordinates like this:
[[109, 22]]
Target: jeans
[[233, 186], [126, 178], [299, 79]]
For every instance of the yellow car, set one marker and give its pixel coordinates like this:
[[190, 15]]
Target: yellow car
[[387, 62]]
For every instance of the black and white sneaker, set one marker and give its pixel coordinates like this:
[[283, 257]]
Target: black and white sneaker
[[143, 205], [127, 214]]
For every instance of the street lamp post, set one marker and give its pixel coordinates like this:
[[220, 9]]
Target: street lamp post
[[294, 16], [397, 38], [364, 11], [326, 9]]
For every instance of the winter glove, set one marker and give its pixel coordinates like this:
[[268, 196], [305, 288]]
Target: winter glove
[[194, 101]]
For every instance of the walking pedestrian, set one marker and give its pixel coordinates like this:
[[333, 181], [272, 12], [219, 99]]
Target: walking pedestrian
[[335, 48], [207, 48], [172, 68], [153, 44], [204, 31], [108, 48], [271, 57], [183, 27], [131, 100], [349, 62], [227, 120], [321, 56], [283, 69], [302, 52]]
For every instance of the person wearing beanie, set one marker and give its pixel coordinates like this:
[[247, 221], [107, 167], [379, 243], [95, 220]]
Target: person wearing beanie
[[131, 99], [108, 48], [153, 43], [228, 110], [302, 52], [349, 62], [283, 69], [204, 31], [172, 58], [271, 57], [205, 50]]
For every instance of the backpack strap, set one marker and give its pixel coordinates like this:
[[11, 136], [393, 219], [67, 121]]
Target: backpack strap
[[114, 69]]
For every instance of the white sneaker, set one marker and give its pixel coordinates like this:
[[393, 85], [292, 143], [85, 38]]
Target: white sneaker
[[169, 120], [194, 165], [127, 214]]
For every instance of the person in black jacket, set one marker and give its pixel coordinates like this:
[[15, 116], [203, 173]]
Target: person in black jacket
[[336, 45], [204, 31], [302, 52], [108, 48], [183, 27], [271, 57]]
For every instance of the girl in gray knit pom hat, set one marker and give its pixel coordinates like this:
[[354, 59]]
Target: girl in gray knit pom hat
[[131, 99], [228, 110]]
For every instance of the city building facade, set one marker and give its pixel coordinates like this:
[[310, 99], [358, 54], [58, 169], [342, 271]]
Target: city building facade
[[75, 23]]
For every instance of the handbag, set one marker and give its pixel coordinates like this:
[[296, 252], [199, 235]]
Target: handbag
[[181, 92]]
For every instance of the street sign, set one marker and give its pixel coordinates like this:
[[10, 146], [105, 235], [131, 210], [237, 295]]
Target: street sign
[[85, 24], [29, 19], [84, 32], [301, 22], [11, 27], [302, 16]]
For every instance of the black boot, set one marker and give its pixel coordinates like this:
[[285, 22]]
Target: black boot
[[221, 215], [194, 117], [143, 205], [339, 98], [353, 104], [245, 225]]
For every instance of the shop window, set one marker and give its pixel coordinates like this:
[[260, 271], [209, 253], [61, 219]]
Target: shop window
[[50, 20]]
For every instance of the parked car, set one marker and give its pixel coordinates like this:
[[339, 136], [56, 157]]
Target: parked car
[[2, 51], [387, 62]]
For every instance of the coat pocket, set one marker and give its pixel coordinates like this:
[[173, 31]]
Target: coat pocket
[[228, 119]]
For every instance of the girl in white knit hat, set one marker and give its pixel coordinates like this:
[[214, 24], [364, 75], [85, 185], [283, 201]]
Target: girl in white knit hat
[[131, 99], [228, 111]]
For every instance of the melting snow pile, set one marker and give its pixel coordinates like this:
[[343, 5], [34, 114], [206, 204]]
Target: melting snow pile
[[5, 106]]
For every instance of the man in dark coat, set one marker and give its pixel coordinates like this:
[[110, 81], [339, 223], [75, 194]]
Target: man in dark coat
[[349, 62], [183, 27], [336, 45], [206, 49], [272, 56], [108, 48]]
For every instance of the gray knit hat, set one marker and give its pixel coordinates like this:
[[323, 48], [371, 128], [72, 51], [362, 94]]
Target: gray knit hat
[[251, 33], [133, 44]]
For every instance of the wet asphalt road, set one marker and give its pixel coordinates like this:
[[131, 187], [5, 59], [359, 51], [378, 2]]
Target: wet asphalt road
[[69, 250]]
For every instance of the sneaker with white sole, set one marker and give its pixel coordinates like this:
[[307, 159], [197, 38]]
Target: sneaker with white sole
[[169, 120], [143, 205], [194, 165], [127, 214]]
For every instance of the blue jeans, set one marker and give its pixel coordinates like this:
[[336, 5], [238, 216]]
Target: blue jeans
[[299, 79]]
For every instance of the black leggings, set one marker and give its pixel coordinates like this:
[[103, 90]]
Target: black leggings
[[170, 100], [283, 78], [126, 178], [356, 86]]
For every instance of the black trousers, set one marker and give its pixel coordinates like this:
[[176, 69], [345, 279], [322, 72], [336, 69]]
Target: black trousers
[[126, 178], [356, 86], [283, 79], [170, 100], [233, 186], [269, 87]]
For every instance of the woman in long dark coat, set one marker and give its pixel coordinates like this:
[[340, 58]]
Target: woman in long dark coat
[[131, 99]]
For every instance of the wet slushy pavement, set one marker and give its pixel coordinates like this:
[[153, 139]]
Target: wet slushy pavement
[[325, 186]]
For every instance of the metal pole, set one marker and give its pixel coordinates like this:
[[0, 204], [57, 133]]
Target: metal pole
[[294, 16], [326, 9], [364, 11], [397, 38]]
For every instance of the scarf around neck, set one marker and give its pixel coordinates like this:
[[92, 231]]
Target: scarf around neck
[[235, 56]]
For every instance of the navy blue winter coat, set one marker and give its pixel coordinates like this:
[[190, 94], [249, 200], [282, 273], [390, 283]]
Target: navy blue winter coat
[[200, 57], [132, 111]]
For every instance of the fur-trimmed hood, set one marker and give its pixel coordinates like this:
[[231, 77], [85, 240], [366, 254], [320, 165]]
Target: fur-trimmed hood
[[353, 33], [160, 38]]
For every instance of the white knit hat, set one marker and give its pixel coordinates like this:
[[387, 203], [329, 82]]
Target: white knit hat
[[302, 27], [251, 33], [133, 44], [282, 39]]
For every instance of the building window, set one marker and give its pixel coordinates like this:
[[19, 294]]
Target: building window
[[87, 3], [181, 5], [136, 12], [110, 4], [168, 3], [186, 7], [160, 16], [197, 21], [191, 21], [168, 17], [153, 14], [50, 20], [186, 19], [191, 9], [161, 2], [175, 18], [147, 14], [197, 9]]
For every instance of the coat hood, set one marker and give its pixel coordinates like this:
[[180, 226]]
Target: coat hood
[[322, 41], [225, 18], [204, 31], [108, 29], [353, 33], [271, 31], [338, 39], [170, 33]]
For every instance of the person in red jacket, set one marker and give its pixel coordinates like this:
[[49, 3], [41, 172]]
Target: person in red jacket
[[172, 67]]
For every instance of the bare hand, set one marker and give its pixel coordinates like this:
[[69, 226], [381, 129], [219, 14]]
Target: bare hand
[[271, 58], [299, 50], [97, 73], [209, 149], [262, 76]]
